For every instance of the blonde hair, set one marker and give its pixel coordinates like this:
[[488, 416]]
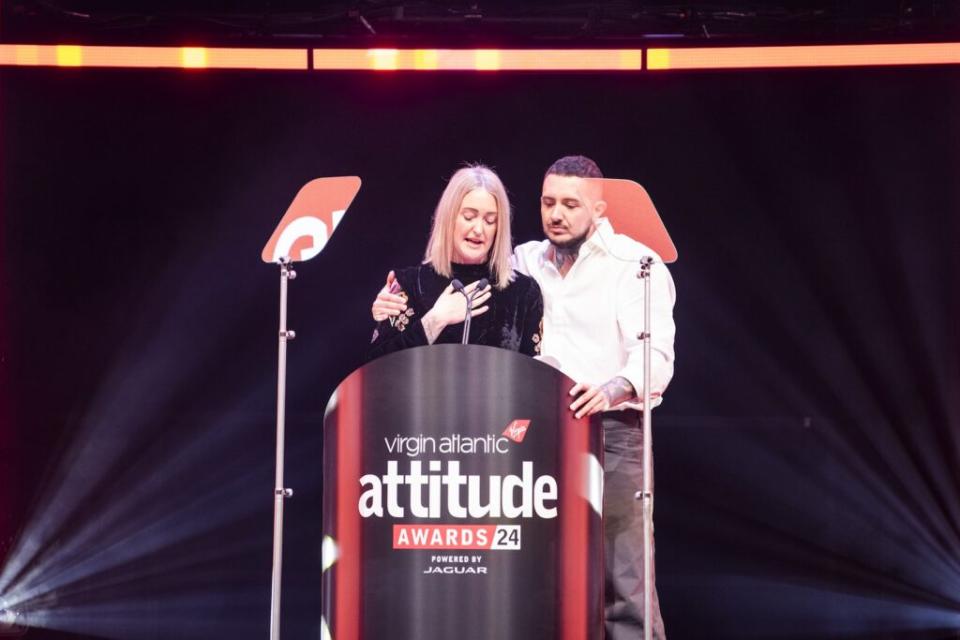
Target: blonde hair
[[439, 253]]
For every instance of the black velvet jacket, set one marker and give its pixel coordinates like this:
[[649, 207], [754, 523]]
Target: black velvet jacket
[[514, 320]]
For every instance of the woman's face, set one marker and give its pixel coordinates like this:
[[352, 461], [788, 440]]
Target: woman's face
[[475, 228]]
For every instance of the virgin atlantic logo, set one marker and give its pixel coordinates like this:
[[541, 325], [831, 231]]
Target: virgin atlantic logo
[[516, 430]]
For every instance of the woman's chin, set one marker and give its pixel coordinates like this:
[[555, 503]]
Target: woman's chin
[[471, 257]]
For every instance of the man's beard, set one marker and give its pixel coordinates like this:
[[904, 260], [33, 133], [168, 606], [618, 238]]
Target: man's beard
[[569, 246], [567, 251]]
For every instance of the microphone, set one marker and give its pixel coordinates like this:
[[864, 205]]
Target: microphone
[[481, 285], [458, 286]]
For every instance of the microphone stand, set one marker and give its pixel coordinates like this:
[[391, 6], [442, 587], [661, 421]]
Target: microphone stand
[[466, 320], [646, 262], [280, 493]]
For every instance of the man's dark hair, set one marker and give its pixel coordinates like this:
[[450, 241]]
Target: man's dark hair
[[579, 166]]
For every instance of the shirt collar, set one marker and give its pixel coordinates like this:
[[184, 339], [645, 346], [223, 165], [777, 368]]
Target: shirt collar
[[601, 238]]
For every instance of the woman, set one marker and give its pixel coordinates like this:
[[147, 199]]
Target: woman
[[470, 241]]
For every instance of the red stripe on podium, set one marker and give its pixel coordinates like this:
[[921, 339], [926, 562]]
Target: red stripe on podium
[[575, 534], [9, 462], [347, 609]]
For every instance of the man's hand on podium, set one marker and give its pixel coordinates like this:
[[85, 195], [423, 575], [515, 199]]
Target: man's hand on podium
[[594, 399]]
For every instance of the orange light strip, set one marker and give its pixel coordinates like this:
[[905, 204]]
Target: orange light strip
[[151, 57], [478, 59], [803, 56]]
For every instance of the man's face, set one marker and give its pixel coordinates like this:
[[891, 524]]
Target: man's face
[[475, 228], [566, 209]]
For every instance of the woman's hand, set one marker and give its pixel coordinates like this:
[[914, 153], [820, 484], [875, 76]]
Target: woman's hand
[[451, 308], [389, 301]]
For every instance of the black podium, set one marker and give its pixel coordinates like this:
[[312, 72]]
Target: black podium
[[462, 501]]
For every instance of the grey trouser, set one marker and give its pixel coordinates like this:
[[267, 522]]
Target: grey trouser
[[623, 529]]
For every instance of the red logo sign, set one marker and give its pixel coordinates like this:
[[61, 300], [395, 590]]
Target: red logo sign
[[516, 430], [311, 219]]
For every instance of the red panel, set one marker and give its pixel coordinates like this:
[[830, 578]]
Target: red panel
[[575, 528], [6, 398], [348, 583]]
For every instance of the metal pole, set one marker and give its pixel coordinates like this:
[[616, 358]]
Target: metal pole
[[468, 317], [280, 493], [645, 264], [466, 323]]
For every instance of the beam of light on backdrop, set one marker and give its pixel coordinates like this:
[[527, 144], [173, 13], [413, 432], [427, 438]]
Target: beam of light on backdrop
[[836, 507], [139, 506]]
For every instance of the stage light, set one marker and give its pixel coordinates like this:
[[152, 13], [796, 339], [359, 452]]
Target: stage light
[[10, 622], [803, 56], [487, 59], [193, 57], [153, 486], [477, 59], [658, 59], [425, 59], [383, 59], [152, 57], [69, 56]]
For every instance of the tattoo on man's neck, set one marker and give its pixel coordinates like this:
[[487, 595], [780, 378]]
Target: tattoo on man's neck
[[564, 255]]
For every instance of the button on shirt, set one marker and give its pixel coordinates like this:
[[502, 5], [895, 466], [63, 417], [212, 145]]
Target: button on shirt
[[593, 316]]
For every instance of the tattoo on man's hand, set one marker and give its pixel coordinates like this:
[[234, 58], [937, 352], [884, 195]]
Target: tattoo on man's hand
[[617, 390]]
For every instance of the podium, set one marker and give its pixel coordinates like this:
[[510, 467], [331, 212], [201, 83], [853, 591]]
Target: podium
[[462, 500]]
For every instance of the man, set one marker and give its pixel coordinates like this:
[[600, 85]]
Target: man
[[593, 317]]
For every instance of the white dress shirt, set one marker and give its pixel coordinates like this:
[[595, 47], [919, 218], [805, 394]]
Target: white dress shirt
[[592, 317]]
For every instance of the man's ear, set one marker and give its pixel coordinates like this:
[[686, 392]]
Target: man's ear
[[599, 208]]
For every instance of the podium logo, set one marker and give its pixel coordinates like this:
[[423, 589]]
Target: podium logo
[[442, 493], [516, 430], [457, 536]]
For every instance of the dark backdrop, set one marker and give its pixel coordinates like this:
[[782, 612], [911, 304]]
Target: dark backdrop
[[807, 448]]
